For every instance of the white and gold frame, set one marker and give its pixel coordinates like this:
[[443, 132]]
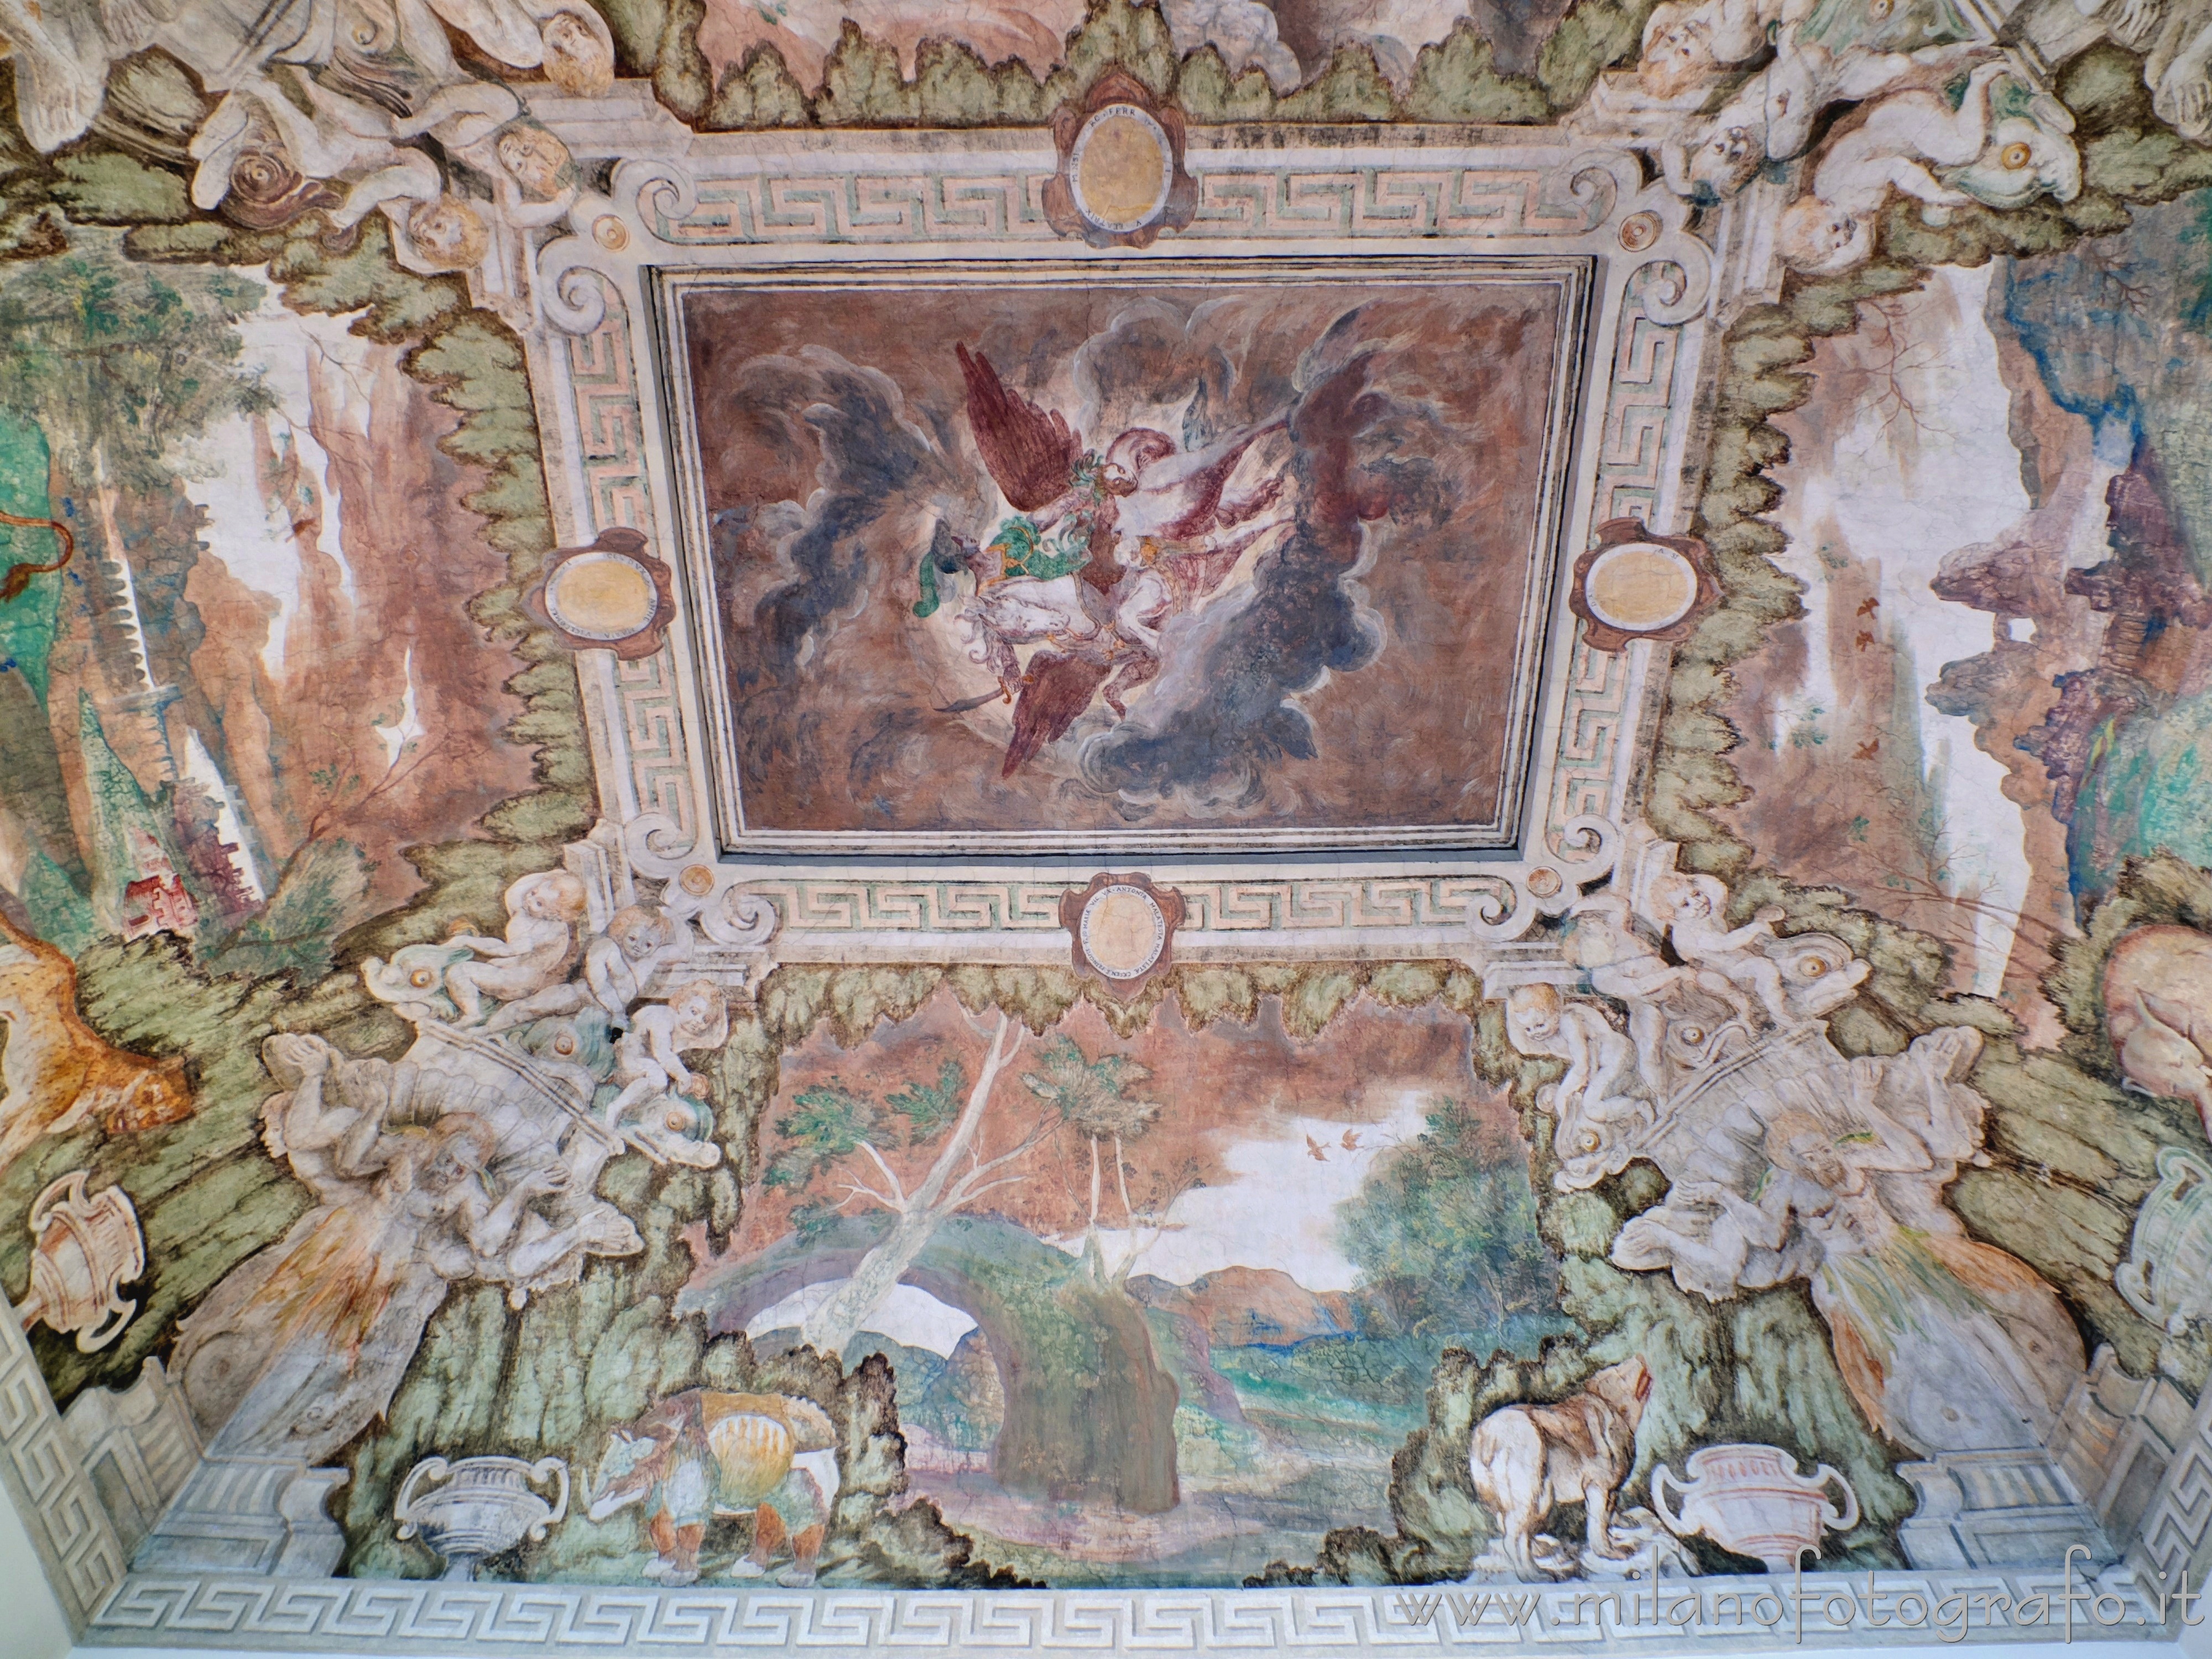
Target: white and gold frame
[[684, 213]]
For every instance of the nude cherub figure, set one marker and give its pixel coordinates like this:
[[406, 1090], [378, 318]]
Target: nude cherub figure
[[1540, 1021], [469, 1229], [445, 234], [540, 34], [1707, 1234], [540, 945], [442, 1181], [1692, 905], [532, 175], [579, 51], [333, 1115], [649, 1058], [1687, 43], [328, 136], [1916, 143], [1717, 1242], [620, 964], [1596, 1121]]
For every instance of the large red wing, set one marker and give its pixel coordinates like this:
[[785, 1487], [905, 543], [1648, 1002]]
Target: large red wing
[[1030, 451], [1055, 690]]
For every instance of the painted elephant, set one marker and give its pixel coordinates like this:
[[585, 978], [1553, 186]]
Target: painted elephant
[[702, 1454]]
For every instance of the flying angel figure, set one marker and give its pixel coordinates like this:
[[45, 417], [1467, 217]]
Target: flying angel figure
[[1099, 552]]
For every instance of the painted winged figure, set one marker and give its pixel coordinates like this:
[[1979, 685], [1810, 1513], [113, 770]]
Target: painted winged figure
[[1099, 551]]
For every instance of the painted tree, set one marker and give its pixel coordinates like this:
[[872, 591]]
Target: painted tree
[[1443, 1229], [831, 1128], [112, 369], [1093, 1099], [120, 362], [119, 365]]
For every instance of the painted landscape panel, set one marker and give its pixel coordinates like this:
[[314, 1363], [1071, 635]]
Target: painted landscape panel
[[1177, 1297], [1018, 562]]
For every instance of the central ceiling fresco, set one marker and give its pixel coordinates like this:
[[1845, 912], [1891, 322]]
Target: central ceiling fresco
[[1193, 610], [1022, 822]]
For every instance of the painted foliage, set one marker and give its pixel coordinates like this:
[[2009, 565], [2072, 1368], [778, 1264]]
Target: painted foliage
[[1289, 42], [251, 689], [1172, 1320], [376, 1121], [233, 706], [2018, 660]]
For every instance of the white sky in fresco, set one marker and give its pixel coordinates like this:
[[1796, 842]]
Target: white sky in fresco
[[1279, 1208], [1276, 1209], [253, 536], [911, 1317], [1962, 487]]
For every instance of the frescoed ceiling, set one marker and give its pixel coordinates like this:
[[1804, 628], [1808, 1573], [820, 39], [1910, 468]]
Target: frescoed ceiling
[[845, 822]]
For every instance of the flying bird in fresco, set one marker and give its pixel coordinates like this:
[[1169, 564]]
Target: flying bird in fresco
[[1099, 551], [1315, 1150]]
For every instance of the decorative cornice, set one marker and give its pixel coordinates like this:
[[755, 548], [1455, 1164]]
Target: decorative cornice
[[752, 194], [681, 200], [45, 1477], [414, 1617]]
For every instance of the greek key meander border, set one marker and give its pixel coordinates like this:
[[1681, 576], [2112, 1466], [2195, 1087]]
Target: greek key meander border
[[432, 1617], [640, 731], [1596, 720], [639, 750], [1380, 201], [46, 1479]]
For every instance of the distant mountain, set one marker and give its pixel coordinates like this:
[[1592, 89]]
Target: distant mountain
[[1248, 1307]]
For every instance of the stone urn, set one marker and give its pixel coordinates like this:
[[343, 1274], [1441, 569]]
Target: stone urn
[[478, 1506], [87, 1250], [1752, 1500], [2167, 1277]]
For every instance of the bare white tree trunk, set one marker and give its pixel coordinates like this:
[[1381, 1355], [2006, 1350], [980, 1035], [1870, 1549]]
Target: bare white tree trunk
[[105, 497], [833, 1324]]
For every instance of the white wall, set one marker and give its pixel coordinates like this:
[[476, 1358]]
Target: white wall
[[31, 1622]]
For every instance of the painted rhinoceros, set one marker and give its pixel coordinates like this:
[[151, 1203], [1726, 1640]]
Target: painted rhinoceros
[[700, 1454]]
